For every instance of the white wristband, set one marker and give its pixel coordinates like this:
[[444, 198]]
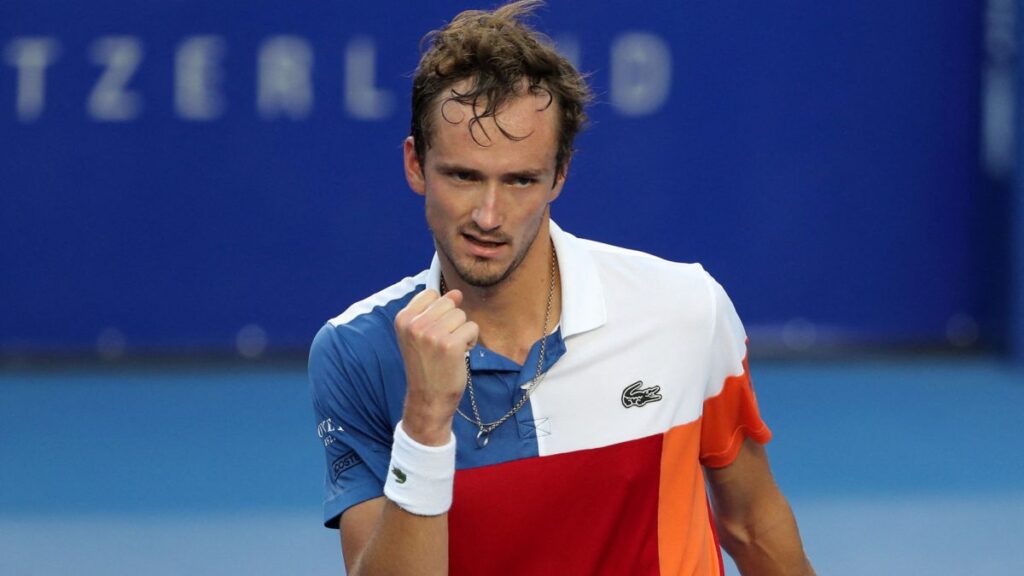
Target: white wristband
[[420, 478]]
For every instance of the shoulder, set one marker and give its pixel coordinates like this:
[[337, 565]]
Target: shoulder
[[349, 342], [653, 277], [382, 306]]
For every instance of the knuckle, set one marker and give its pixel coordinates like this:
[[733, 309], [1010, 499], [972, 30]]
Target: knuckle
[[401, 319], [412, 330], [419, 332], [427, 294]]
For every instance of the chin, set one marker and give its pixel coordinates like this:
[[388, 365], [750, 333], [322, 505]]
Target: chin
[[481, 276]]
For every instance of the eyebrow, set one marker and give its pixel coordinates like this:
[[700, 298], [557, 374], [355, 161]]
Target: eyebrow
[[528, 173], [442, 167], [532, 174]]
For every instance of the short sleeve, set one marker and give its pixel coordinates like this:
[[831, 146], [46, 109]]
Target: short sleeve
[[351, 424], [730, 411]]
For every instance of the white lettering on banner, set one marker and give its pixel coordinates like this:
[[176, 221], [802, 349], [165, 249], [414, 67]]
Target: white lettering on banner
[[285, 78], [568, 46], [999, 90], [362, 99], [31, 56], [110, 101], [640, 77], [197, 78], [641, 73]]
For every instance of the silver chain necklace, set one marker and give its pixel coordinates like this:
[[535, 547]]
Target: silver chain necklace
[[484, 436]]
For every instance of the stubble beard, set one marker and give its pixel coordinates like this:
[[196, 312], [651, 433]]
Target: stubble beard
[[476, 273]]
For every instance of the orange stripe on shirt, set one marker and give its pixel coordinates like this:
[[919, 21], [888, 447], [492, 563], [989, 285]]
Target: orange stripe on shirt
[[686, 545], [728, 418]]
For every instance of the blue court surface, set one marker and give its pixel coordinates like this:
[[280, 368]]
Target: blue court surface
[[903, 466]]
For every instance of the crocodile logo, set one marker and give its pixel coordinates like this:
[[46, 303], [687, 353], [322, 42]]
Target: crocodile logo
[[634, 395], [400, 476]]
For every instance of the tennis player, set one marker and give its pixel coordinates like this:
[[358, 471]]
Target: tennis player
[[535, 403]]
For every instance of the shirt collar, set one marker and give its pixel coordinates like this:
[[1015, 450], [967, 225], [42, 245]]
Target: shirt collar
[[583, 305]]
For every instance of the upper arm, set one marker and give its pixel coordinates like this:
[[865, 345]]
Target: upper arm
[[356, 527], [739, 486], [744, 494], [351, 426], [730, 413], [755, 523]]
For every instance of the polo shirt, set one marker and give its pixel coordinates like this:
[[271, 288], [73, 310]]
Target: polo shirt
[[645, 381]]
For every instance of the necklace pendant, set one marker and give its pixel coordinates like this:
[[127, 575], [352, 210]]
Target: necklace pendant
[[482, 438]]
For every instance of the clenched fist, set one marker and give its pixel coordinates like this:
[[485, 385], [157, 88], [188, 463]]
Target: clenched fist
[[434, 336]]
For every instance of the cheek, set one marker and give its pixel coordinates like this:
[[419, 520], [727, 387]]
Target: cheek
[[433, 218], [529, 217], [440, 210], [535, 208]]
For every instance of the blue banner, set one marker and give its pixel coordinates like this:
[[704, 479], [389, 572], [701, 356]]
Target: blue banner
[[182, 176]]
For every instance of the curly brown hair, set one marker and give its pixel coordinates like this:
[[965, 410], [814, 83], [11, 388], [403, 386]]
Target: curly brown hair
[[502, 58]]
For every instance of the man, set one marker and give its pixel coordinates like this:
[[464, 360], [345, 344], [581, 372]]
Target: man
[[534, 403]]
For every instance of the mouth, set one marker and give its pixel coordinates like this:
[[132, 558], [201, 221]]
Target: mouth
[[483, 247]]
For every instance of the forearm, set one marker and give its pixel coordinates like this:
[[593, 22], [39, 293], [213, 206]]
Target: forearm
[[770, 548], [410, 534], [405, 544], [406, 532]]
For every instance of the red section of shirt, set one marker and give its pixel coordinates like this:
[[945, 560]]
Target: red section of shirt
[[593, 512]]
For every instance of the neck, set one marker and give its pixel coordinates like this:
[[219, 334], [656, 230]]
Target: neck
[[511, 313]]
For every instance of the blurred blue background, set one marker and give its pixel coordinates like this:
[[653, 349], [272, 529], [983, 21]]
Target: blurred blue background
[[185, 181]]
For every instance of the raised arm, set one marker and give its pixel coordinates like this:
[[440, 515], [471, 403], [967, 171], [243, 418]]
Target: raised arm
[[406, 532], [755, 523]]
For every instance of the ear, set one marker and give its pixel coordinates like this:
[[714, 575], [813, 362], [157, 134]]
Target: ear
[[413, 169], [560, 177]]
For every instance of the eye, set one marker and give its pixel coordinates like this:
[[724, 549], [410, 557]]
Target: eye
[[523, 181], [461, 176]]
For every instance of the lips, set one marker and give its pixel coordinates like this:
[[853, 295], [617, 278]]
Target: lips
[[483, 247]]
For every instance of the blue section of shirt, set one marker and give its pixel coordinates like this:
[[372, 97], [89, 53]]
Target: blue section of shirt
[[358, 382]]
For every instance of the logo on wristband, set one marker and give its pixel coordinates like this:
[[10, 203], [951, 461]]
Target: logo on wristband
[[400, 476]]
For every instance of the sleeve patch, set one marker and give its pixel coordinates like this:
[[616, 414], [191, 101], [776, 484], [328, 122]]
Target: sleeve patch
[[325, 430], [344, 462]]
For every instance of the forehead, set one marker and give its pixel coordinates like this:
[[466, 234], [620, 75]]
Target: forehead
[[524, 128]]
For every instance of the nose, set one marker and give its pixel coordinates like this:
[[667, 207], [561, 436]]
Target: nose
[[487, 215]]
